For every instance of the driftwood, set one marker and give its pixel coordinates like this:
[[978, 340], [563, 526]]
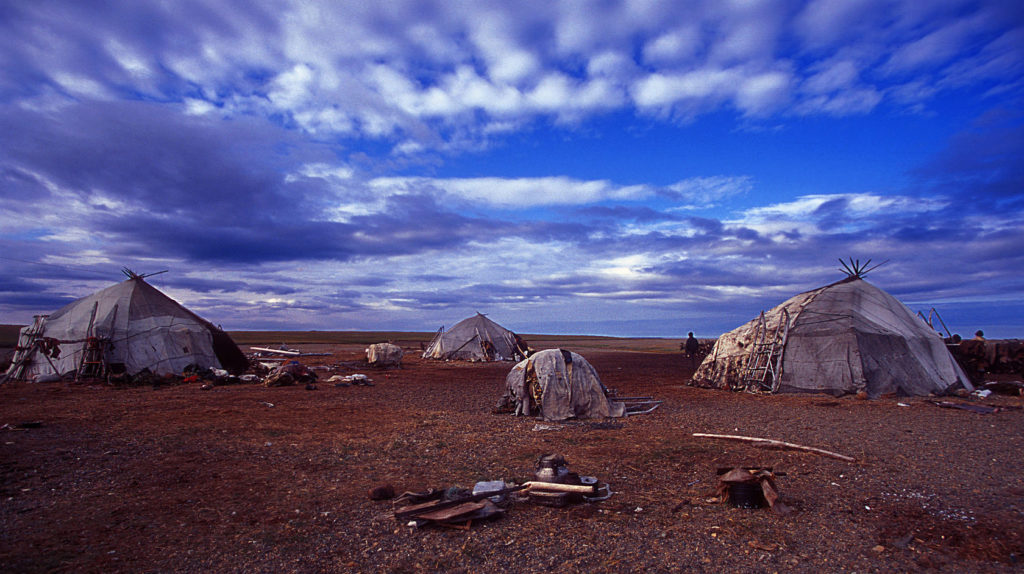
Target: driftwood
[[778, 443], [288, 353], [277, 351]]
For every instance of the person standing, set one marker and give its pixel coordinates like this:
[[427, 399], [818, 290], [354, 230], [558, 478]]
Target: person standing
[[692, 347]]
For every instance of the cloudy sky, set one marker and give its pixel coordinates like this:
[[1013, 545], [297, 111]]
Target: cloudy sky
[[625, 168]]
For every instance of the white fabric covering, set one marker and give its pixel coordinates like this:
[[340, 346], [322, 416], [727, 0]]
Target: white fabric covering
[[144, 329], [846, 337], [465, 341]]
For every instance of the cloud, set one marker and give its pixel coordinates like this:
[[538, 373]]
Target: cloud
[[424, 72], [763, 93], [982, 167], [813, 215], [623, 213], [673, 47], [706, 86], [526, 193], [826, 22], [938, 46], [390, 163]]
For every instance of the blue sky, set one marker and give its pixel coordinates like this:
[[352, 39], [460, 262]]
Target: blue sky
[[623, 168]]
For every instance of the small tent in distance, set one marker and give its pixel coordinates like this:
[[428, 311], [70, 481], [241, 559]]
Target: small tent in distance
[[847, 337], [384, 355], [558, 385], [476, 338], [128, 327]]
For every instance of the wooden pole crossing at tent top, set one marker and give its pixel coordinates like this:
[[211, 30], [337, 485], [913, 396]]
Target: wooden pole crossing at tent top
[[855, 269]]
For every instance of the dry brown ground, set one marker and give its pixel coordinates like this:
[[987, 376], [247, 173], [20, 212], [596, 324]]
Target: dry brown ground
[[176, 479]]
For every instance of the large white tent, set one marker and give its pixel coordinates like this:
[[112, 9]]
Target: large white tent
[[847, 337], [476, 338], [129, 327]]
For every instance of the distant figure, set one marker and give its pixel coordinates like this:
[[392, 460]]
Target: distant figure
[[692, 346], [979, 335]]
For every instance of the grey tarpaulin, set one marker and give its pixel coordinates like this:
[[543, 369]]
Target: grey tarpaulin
[[566, 384], [476, 338]]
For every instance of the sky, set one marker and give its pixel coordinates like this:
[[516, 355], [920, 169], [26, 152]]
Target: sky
[[632, 168]]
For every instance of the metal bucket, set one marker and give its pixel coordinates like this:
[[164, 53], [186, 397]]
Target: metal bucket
[[747, 495]]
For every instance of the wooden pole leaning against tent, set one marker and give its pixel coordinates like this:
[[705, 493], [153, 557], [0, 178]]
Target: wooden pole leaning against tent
[[86, 350], [93, 363], [486, 345], [26, 346], [435, 338]]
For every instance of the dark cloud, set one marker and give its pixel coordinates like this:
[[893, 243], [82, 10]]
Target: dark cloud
[[366, 281], [204, 285], [832, 214], [703, 273], [20, 186], [626, 213], [11, 284], [33, 301], [152, 159], [982, 168], [215, 191], [433, 277], [707, 226]]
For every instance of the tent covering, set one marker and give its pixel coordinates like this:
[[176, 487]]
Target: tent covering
[[384, 355], [476, 338], [847, 337], [558, 385], [135, 325]]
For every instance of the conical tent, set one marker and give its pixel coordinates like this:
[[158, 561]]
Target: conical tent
[[558, 385], [476, 338], [130, 325], [847, 337]]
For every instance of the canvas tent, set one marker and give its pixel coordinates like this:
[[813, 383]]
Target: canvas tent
[[847, 337], [558, 385], [130, 326], [475, 339]]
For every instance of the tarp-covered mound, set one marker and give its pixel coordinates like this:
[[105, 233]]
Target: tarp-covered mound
[[558, 385], [384, 355], [136, 327], [847, 337], [476, 339]]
